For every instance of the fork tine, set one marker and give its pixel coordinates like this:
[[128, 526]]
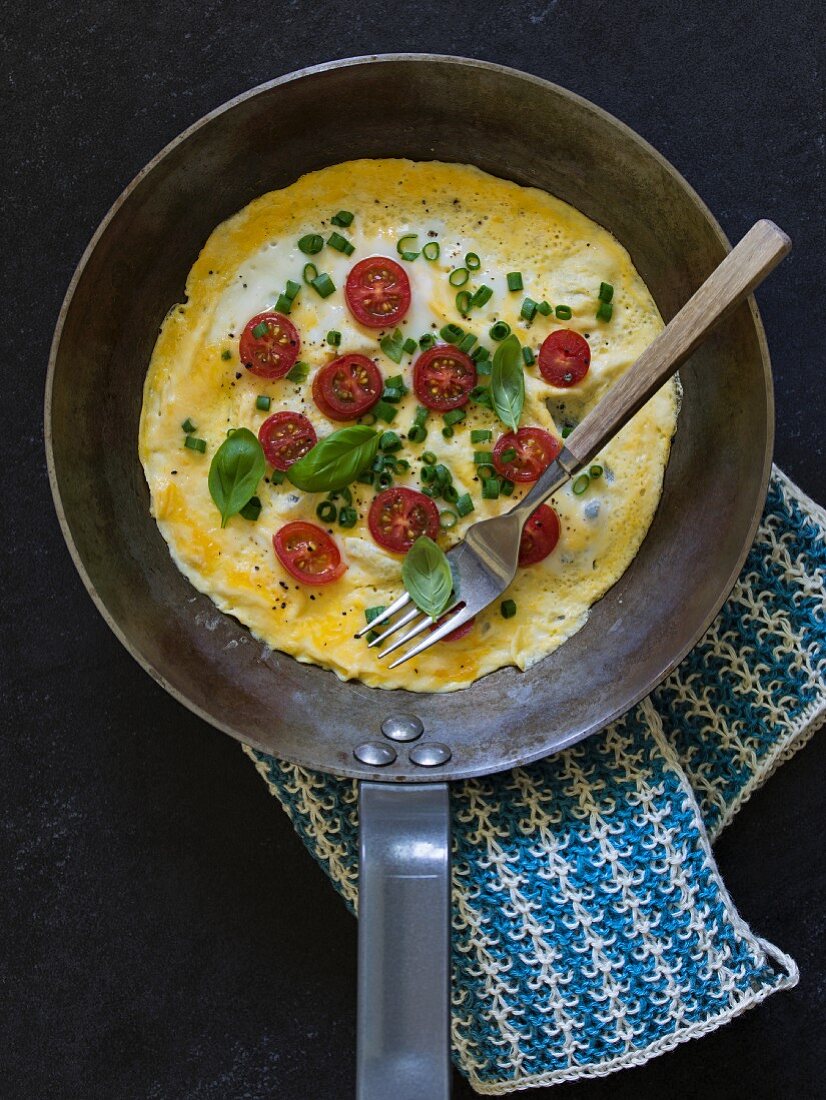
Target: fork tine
[[403, 621], [417, 628], [440, 632], [397, 605]]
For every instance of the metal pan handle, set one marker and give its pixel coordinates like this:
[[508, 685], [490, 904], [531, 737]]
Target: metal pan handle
[[404, 942]]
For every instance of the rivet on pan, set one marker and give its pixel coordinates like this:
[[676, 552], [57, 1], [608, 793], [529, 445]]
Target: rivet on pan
[[375, 753], [429, 755], [402, 727]]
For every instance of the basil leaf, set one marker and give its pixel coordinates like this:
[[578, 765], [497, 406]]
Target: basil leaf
[[426, 576], [236, 468], [507, 382], [336, 460]]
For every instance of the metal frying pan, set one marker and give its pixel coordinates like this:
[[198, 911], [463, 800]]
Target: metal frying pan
[[403, 746]]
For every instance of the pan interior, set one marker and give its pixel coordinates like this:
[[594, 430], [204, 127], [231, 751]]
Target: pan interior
[[136, 268]]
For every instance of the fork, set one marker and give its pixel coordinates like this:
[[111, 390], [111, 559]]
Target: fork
[[484, 563]]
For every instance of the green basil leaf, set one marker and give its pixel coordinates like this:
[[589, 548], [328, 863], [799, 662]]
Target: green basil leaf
[[236, 468], [507, 382], [426, 576], [336, 460]]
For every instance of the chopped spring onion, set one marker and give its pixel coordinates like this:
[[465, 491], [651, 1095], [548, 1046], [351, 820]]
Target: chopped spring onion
[[490, 488], [566, 432], [342, 218], [421, 415], [448, 432], [259, 330], [417, 434], [564, 313], [451, 334], [606, 292], [483, 458], [263, 402], [450, 493], [605, 311], [480, 354], [463, 300], [348, 517], [324, 285], [459, 276], [545, 308], [426, 474], [455, 416], [443, 474], [189, 427], [481, 435], [528, 357], [340, 244], [581, 484], [447, 519], [529, 308], [309, 273], [311, 243], [595, 472], [515, 280], [327, 511], [277, 477], [344, 493], [464, 504], [431, 251], [298, 372], [383, 480], [508, 609], [472, 262], [429, 458], [427, 341], [371, 613], [409, 345], [334, 338], [481, 396], [500, 330], [508, 455], [467, 342], [252, 509], [389, 442], [383, 411], [393, 345], [507, 487], [482, 295], [292, 288], [404, 249], [195, 444], [226, 354], [283, 304]]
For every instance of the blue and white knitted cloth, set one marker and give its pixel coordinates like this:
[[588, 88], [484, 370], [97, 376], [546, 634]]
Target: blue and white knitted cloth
[[591, 929]]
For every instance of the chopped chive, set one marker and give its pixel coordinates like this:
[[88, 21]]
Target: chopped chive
[[508, 455], [472, 262], [481, 396], [429, 491], [482, 295], [448, 432], [298, 372], [595, 472], [528, 357], [515, 280], [464, 504], [581, 484], [383, 411], [195, 444], [347, 517], [342, 218], [545, 308], [283, 304], [340, 244], [459, 276], [226, 354], [463, 300], [189, 427], [447, 519], [483, 458], [383, 480], [507, 608], [334, 338], [481, 435], [409, 256], [409, 345], [292, 288], [429, 458], [344, 493], [311, 243], [401, 465], [499, 330], [566, 432], [309, 272], [421, 415], [528, 311], [605, 311], [389, 442], [485, 471], [324, 285], [431, 251], [402, 248], [564, 313], [427, 341], [490, 488], [451, 334], [467, 342], [443, 474], [450, 493], [417, 434], [263, 402], [426, 474], [606, 292], [277, 477], [260, 330], [455, 416], [480, 354], [252, 509], [327, 511], [507, 487]]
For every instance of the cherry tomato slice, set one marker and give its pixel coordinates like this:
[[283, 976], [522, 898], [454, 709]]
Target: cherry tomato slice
[[271, 353], [308, 553], [564, 358], [378, 292], [398, 516], [443, 377], [535, 449], [539, 536], [346, 388], [286, 437]]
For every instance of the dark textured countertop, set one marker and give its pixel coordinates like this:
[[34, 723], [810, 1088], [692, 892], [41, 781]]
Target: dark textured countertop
[[164, 933]]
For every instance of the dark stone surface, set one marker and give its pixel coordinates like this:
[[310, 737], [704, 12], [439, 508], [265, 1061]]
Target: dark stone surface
[[164, 933]]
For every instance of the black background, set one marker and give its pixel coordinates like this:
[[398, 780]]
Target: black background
[[164, 933]]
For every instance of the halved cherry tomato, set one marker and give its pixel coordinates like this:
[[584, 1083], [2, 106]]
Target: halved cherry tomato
[[539, 536], [535, 449], [398, 516], [346, 388], [443, 377], [460, 631], [272, 353], [308, 553], [378, 292], [564, 358], [286, 437]]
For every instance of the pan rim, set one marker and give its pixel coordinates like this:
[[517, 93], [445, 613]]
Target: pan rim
[[391, 58]]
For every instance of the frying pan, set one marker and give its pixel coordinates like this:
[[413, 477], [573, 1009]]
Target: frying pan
[[404, 747]]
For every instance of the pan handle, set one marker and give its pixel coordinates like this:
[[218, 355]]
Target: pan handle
[[404, 942]]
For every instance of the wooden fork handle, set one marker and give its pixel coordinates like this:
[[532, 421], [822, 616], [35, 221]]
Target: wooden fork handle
[[748, 263]]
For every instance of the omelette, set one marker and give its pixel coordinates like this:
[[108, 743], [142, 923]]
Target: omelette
[[346, 326]]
